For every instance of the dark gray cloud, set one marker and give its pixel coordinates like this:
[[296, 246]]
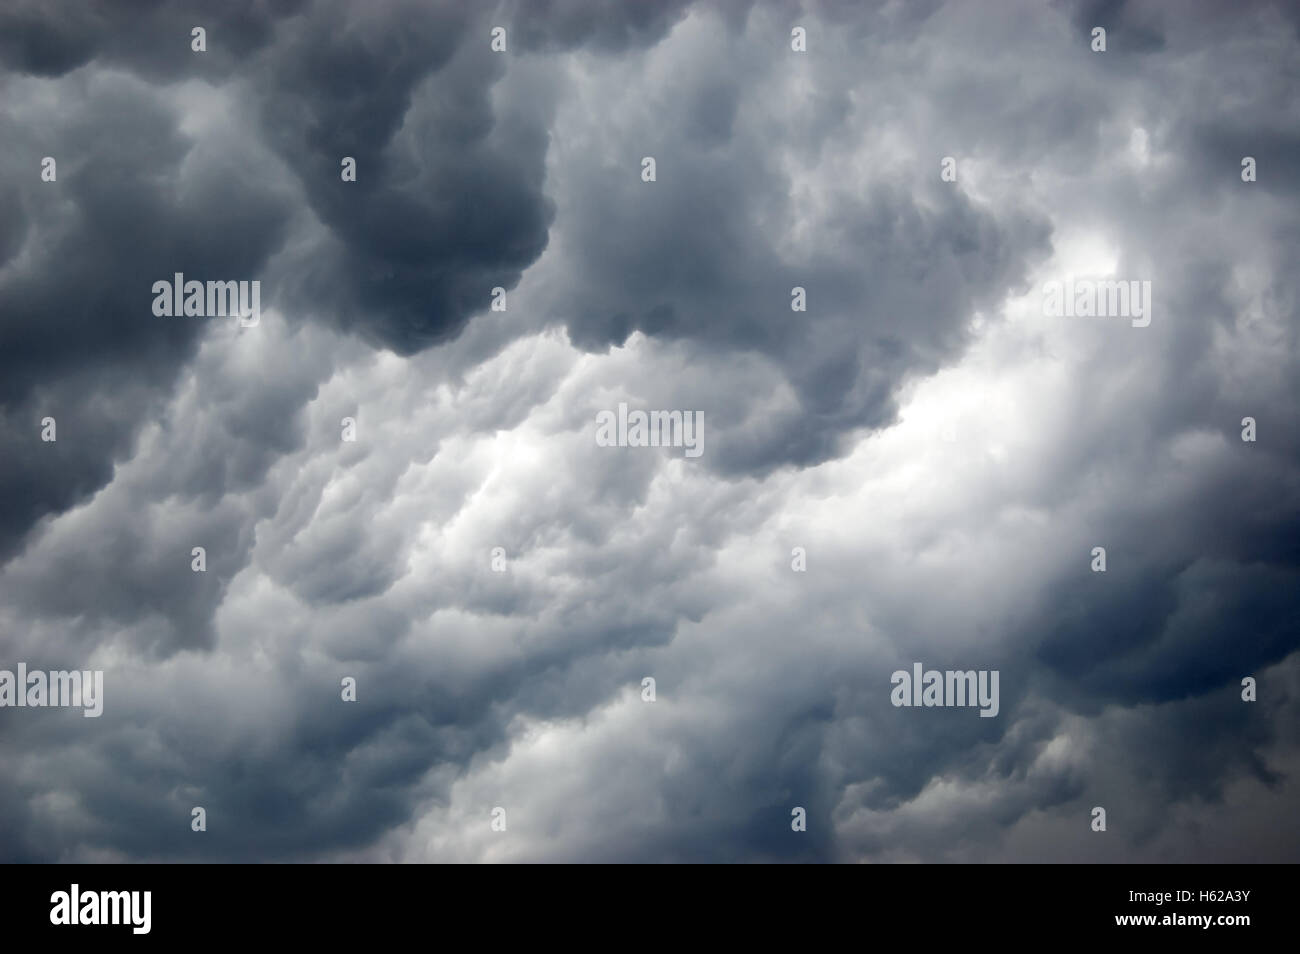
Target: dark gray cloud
[[134, 202], [551, 26], [824, 430]]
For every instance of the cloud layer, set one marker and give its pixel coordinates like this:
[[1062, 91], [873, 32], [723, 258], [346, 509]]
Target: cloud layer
[[499, 586]]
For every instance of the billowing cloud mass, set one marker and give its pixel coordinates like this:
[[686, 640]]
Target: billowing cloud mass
[[397, 476]]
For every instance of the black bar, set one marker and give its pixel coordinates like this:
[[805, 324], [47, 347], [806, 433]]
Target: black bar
[[657, 906]]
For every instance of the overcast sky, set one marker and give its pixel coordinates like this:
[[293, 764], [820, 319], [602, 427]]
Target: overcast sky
[[946, 455]]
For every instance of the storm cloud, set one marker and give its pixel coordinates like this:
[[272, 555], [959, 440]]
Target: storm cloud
[[395, 479]]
